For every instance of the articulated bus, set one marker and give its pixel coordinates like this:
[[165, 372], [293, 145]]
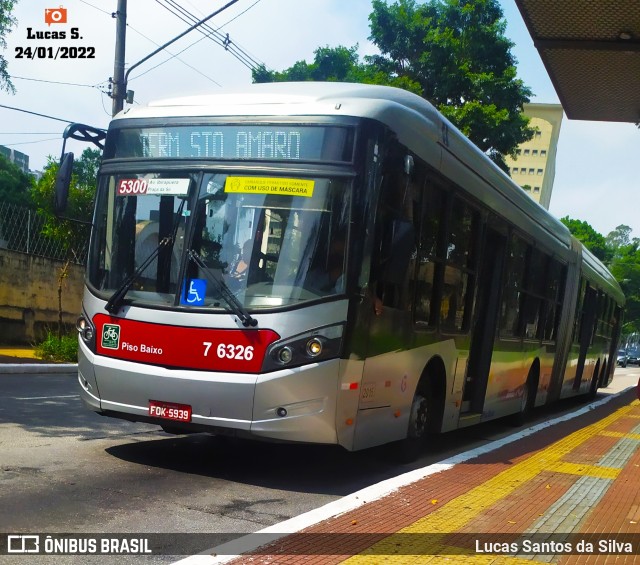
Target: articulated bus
[[327, 263]]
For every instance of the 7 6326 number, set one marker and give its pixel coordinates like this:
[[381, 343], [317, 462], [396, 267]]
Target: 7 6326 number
[[230, 351]]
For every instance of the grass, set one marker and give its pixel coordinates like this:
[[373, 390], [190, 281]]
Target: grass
[[63, 350]]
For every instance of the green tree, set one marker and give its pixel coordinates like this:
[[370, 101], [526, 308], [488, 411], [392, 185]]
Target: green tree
[[589, 237], [621, 253], [15, 185], [452, 52], [457, 51], [625, 267], [7, 22], [619, 239], [335, 64], [71, 234]]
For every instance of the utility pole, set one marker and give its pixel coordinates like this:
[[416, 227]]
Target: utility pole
[[118, 92]]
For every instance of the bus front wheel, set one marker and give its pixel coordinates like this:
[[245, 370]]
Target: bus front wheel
[[418, 418], [410, 448]]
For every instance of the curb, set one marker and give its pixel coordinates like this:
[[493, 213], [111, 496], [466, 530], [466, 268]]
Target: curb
[[38, 368]]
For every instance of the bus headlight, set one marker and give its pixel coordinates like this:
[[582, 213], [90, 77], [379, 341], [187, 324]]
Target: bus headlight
[[314, 347], [310, 347], [86, 331], [285, 355]]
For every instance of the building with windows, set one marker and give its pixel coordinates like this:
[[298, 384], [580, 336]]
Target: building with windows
[[19, 159], [535, 167]]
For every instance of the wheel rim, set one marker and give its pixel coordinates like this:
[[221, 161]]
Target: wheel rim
[[524, 400], [418, 417]]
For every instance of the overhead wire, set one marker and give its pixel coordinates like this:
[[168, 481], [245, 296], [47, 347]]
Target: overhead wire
[[30, 142], [214, 34], [96, 7], [36, 114], [224, 40], [172, 56], [151, 40], [57, 82]]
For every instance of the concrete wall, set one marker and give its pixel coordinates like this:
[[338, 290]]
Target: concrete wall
[[29, 297]]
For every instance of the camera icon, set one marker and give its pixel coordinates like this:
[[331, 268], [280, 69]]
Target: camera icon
[[55, 15]]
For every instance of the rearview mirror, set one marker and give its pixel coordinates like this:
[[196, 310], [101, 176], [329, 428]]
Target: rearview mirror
[[63, 181]]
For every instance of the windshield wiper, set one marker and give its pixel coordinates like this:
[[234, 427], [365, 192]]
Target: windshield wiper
[[115, 302], [234, 304]]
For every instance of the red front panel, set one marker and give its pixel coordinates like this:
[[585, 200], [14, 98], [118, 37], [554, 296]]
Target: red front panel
[[236, 351]]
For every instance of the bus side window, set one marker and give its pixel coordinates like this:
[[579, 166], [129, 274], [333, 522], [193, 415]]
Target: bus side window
[[456, 303], [430, 243], [393, 261], [534, 283], [554, 296], [510, 310]]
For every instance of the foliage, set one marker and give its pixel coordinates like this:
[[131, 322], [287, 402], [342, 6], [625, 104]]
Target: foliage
[[15, 185], [459, 55], [591, 239], [59, 350], [625, 266], [72, 235], [335, 64], [619, 238], [621, 254], [452, 53], [7, 22]]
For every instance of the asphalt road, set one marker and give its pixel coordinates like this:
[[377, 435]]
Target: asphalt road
[[65, 469]]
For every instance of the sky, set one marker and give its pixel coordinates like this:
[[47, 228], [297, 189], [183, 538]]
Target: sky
[[597, 178]]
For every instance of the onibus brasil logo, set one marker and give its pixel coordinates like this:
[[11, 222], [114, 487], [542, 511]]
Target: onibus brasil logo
[[111, 336]]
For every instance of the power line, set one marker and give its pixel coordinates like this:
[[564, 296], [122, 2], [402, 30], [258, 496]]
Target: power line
[[151, 40], [213, 34], [172, 57], [29, 142], [36, 114], [223, 40], [57, 82], [96, 7]]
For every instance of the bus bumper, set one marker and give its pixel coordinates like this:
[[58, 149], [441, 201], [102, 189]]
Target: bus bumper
[[296, 404]]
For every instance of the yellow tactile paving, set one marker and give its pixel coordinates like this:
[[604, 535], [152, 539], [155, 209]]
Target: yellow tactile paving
[[454, 515], [583, 469]]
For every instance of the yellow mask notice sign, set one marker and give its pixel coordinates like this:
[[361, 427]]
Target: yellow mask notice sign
[[270, 185]]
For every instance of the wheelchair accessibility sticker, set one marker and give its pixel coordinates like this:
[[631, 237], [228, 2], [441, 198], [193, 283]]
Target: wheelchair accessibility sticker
[[194, 294]]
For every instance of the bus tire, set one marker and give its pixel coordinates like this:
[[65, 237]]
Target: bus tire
[[595, 382], [526, 402], [411, 447]]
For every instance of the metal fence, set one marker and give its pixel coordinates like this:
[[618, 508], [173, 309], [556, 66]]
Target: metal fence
[[21, 230]]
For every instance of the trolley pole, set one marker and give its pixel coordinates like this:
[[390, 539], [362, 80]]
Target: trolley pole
[[118, 92]]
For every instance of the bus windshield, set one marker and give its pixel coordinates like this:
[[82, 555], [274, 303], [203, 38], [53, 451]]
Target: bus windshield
[[269, 240]]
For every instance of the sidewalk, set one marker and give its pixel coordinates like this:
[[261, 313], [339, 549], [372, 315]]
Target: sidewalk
[[565, 492], [19, 359]]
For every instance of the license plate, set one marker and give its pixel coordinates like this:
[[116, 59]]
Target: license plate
[[170, 411]]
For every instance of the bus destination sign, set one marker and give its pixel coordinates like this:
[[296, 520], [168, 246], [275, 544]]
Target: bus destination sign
[[233, 142]]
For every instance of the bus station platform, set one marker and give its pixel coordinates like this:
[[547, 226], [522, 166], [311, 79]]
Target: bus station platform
[[566, 491]]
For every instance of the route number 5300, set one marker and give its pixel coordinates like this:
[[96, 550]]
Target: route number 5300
[[230, 351]]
